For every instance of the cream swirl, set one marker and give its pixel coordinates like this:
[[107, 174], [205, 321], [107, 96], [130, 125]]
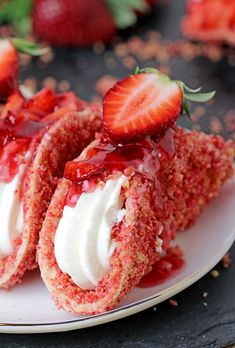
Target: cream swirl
[[11, 215], [83, 242]]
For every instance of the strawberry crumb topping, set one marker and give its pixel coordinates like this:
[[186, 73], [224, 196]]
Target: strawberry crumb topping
[[206, 159]]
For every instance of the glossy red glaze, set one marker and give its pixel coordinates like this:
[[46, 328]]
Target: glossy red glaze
[[22, 119], [167, 267], [9, 156], [107, 156], [16, 133]]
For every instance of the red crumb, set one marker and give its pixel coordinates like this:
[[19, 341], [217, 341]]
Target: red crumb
[[153, 47], [47, 57], [173, 303], [205, 294], [215, 125], [175, 251], [50, 82], [229, 120], [64, 86], [104, 83], [31, 83], [226, 261]]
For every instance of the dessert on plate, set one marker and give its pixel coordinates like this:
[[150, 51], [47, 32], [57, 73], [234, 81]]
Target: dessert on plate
[[210, 21], [37, 137], [122, 200]]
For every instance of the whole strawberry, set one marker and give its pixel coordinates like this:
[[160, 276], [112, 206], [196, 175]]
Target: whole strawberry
[[77, 22], [72, 22]]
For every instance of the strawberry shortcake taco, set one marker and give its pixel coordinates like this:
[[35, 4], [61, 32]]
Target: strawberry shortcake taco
[[37, 137], [123, 199]]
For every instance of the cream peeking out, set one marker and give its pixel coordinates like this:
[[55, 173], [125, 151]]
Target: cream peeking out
[[11, 215], [83, 242]]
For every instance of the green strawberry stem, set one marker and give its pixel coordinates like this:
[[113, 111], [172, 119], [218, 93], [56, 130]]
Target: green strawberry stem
[[27, 47], [189, 94], [17, 13], [124, 11], [193, 96]]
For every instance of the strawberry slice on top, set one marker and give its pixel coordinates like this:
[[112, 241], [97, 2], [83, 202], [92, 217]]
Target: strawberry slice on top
[[146, 103]]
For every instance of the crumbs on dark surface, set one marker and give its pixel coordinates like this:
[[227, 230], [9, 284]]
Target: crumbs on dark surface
[[215, 273], [205, 294], [226, 261], [173, 303]]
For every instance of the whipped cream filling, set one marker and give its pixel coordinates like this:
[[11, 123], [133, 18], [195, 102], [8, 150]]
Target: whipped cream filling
[[83, 242], [11, 215]]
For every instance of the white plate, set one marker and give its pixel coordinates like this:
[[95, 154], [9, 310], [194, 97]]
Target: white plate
[[28, 308]]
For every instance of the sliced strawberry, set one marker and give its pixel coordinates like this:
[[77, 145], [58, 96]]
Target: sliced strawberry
[[42, 103], [146, 103], [9, 68]]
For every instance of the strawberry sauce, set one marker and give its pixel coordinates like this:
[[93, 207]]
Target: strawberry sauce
[[164, 269], [21, 120], [108, 157], [16, 134]]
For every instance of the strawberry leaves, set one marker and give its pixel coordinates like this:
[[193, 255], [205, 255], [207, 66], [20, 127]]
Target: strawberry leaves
[[27, 47], [193, 95], [124, 11], [17, 13], [189, 94], [200, 97]]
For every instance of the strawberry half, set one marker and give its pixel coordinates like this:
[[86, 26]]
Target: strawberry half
[[9, 63], [148, 102], [9, 68]]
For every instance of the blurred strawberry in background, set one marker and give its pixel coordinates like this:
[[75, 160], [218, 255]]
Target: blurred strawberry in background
[[9, 64], [73, 22], [77, 22], [210, 20]]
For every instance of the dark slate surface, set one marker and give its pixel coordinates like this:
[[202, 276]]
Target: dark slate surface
[[196, 322]]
